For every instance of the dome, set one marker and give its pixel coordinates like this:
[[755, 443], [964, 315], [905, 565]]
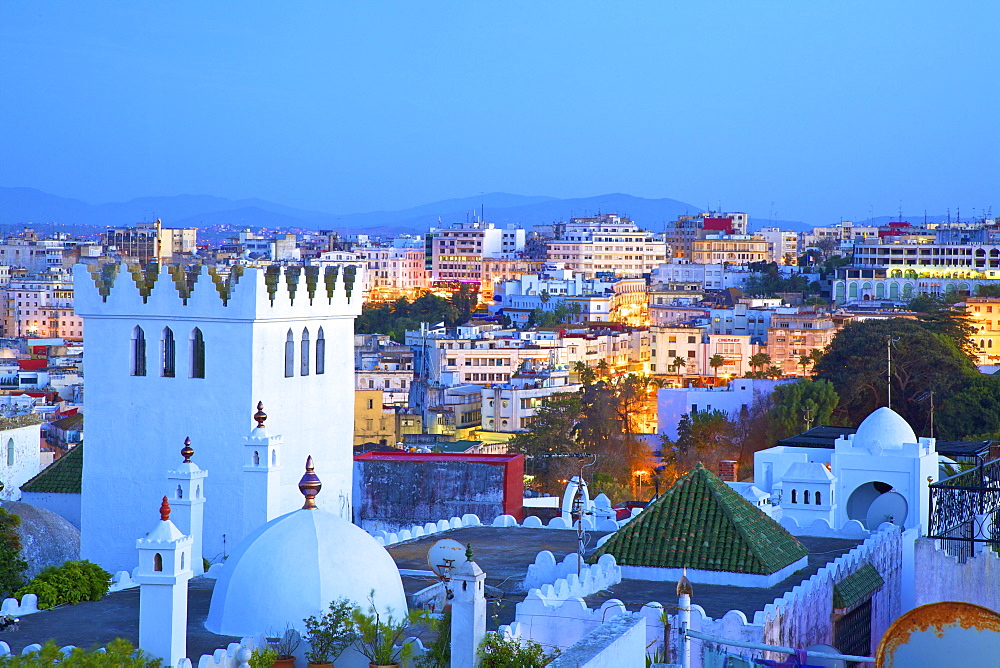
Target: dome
[[884, 428], [47, 539], [294, 566]]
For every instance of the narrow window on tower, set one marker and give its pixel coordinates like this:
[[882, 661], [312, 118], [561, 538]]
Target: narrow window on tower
[[138, 352], [320, 352], [197, 354], [304, 362], [289, 355], [169, 353]]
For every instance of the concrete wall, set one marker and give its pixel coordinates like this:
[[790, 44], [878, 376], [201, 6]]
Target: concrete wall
[[19, 459], [620, 642], [941, 577], [65, 505], [394, 494]]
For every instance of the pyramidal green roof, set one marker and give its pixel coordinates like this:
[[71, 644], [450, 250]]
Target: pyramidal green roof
[[63, 476], [702, 523]]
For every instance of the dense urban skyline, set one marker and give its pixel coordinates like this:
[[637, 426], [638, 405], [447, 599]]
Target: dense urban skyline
[[808, 113]]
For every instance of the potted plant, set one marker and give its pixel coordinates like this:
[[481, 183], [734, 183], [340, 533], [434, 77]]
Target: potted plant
[[330, 634], [285, 646], [378, 634], [263, 657]]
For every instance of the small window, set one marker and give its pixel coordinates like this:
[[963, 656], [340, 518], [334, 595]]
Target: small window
[[304, 362], [793, 496], [197, 354], [169, 351], [289, 354], [805, 496], [10, 452], [320, 352], [157, 562], [818, 502], [138, 352], [371, 404]]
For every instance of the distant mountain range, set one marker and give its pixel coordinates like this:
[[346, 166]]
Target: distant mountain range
[[23, 206]]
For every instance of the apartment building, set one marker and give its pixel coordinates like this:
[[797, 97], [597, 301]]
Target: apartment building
[[782, 245], [381, 364], [606, 243], [148, 242], [41, 307], [512, 407], [730, 249], [498, 270], [393, 272], [455, 254], [795, 333], [683, 231], [603, 299]]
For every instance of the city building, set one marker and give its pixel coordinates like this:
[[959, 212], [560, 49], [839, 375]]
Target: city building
[[149, 242], [393, 271], [682, 232], [782, 245], [738, 249], [607, 243], [384, 365], [984, 316], [795, 333], [454, 254], [41, 307]]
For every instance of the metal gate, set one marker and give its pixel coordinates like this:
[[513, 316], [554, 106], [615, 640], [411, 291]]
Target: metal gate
[[852, 634]]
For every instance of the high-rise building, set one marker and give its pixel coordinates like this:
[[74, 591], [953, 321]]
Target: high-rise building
[[607, 243]]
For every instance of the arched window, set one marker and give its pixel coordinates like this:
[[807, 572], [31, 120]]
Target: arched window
[[320, 352], [169, 353], [818, 502], [180, 492], [793, 496], [182, 561], [10, 452], [805, 496], [138, 352], [289, 355], [157, 562], [256, 458], [197, 354], [304, 361], [274, 457]]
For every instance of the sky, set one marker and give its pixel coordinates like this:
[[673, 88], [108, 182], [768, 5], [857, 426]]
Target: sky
[[814, 111]]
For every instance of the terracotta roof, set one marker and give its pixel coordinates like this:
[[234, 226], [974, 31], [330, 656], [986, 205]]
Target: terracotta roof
[[63, 476], [856, 587], [703, 523], [70, 422]]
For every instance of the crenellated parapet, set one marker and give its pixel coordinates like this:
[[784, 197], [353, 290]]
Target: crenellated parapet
[[226, 292]]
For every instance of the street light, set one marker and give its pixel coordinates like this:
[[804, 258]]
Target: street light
[[638, 475]]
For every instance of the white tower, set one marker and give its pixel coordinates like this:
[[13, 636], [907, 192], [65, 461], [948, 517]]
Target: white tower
[[187, 497], [163, 574], [183, 351], [261, 475], [468, 614]]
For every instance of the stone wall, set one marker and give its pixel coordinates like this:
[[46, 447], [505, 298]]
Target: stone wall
[[941, 577]]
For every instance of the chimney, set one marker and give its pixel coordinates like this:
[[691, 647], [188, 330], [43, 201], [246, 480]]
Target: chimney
[[727, 470]]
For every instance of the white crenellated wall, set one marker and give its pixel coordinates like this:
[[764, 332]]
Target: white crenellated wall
[[560, 580], [942, 577], [852, 529], [27, 606], [130, 447]]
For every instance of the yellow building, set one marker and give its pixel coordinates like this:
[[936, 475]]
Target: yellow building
[[984, 315], [731, 249]]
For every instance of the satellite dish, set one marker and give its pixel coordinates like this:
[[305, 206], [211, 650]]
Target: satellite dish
[[825, 663], [445, 556], [888, 507]]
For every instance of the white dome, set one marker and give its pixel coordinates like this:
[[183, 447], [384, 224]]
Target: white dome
[[293, 567], [884, 428]]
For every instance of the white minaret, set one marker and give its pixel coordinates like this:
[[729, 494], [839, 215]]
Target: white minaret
[[187, 498], [163, 574], [261, 476], [684, 592], [468, 614]]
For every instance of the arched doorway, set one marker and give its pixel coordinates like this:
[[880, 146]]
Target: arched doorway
[[859, 503]]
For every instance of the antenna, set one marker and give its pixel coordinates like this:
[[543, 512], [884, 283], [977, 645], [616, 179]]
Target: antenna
[[888, 348]]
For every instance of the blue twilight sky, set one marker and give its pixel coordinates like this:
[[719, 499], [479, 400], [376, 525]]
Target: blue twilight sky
[[823, 108]]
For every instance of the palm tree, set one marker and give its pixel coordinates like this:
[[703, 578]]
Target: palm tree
[[715, 362], [679, 363], [775, 371], [759, 360], [815, 355], [804, 362]]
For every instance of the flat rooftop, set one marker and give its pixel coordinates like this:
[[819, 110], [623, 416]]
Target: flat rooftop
[[717, 600]]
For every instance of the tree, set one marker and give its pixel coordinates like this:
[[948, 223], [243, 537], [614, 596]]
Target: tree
[[804, 361], [584, 373], [705, 436], [759, 360], [802, 402], [815, 355], [988, 290], [554, 431], [12, 566], [924, 358], [715, 362], [679, 364]]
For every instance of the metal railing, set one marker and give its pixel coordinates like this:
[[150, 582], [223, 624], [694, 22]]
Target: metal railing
[[965, 509]]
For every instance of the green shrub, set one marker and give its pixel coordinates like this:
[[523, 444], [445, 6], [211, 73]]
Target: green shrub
[[119, 654], [497, 651], [12, 566], [71, 583], [263, 657]]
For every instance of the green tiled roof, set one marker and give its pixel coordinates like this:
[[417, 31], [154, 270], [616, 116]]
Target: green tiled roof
[[702, 523], [61, 476], [856, 586]]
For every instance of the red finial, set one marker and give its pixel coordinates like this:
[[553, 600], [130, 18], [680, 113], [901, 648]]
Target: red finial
[[165, 510], [260, 415]]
